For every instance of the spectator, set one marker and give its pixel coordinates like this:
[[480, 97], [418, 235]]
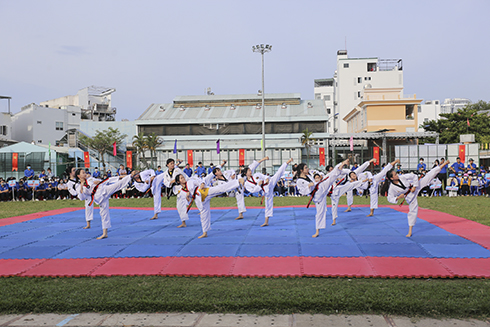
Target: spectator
[[421, 166], [159, 170], [210, 169], [29, 173], [200, 169], [40, 191], [121, 171], [4, 191], [108, 174], [188, 170], [96, 173], [471, 168], [458, 166], [49, 173]]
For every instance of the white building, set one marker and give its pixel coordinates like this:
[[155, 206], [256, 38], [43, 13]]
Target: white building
[[94, 101], [5, 122], [344, 91], [429, 110], [41, 125], [453, 105]]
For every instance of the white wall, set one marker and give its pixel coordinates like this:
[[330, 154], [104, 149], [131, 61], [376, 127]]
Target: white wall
[[5, 121], [430, 110]]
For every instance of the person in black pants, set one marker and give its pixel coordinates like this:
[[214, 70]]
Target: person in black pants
[[443, 176]]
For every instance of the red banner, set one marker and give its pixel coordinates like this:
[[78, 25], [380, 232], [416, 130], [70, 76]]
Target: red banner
[[86, 159], [15, 161], [114, 149], [462, 152], [129, 159], [376, 154], [241, 157], [190, 158], [322, 156]]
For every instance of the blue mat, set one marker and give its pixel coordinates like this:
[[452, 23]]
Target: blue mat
[[133, 234]]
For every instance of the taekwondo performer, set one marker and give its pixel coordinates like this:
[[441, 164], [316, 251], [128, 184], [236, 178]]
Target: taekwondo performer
[[156, 186], [206, 193], [100, 193], [72, 189], [317, 191], [407, 187], [259, 182], [357, 171], [143, 180], [374, 187]]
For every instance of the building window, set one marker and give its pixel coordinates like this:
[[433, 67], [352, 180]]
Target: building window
[[409, 114], [318, 96], [326, 97], [39, 141], [329, 111], [359, 80], [426, 120], [346, 65], [59, 125], [371, 67], [39, 122], [3, 129], [436, 102], [358, 94], [419, 108]]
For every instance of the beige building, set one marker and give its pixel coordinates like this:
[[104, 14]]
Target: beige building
[[384, 109]]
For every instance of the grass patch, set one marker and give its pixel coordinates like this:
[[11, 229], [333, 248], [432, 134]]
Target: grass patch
[[451, 298], [413, 298]]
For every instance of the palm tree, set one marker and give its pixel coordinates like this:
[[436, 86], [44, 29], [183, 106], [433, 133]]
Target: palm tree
[[139, 142], [153, 142], [305, 141]]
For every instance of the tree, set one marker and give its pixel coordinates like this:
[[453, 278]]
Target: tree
[[451, 126], [139, 142], [305, 141], [153, 142], [102, 142]]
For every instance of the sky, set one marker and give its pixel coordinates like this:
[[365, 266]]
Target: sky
[[153, 51]]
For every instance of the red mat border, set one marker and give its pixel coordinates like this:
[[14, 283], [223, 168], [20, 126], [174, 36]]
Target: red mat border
[[384, 267]]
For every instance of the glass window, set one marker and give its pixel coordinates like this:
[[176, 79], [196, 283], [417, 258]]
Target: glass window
[[59, 125], [346, 65], [318, 96], [359, 80], [326, 97]]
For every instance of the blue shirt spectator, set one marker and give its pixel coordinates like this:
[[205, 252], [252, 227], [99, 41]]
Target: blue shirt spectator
[[210, 169], [159, 171], [29, 173], [471, 167], [443, 169], [355, 166], [421, 165], [457, 166], [109, 173], [200, 170], [42, 174], [96, 173], [188, 170]]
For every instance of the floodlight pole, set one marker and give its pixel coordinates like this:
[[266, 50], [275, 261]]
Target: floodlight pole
[[262, 49]]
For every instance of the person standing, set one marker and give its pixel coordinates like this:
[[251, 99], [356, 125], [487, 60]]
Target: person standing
[[188, 170], [29, 173]]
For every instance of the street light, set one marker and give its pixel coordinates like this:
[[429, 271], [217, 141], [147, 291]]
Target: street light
[[262, 49]]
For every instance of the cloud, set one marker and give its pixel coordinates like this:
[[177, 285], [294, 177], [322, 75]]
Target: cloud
[[71, 50]]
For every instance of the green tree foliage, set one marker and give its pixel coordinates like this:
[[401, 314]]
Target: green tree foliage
[[153, 142], [102, 142], [306, 138], [451, 126], [139, 142]]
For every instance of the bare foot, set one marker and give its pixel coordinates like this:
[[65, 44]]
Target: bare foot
[[409, 231], [104, 235], [266, 223], [154, 217], [205, 234], [348, 210], [240, 216], [182, 225], [333, 223], [316, 234], [370, 215], [88, 225]]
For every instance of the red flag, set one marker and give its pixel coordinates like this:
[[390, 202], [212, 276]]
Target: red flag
[[15, 161], [351, 143], [376, 154], [190, 158], [462, 152], [322, 156], [86, 158], [241, 157], [129, 159], [468, 121], [114, 150]]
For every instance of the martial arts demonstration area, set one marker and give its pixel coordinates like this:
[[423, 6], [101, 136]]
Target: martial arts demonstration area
[[54, 243]]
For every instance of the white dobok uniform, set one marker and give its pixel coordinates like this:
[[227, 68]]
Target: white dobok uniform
[[374, 188], [406, 182], [103, 194], [145, 183], [269, 183], [89, 208], [320, 197]]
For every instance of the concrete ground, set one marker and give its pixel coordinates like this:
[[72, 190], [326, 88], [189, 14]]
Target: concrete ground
[[227, 320]]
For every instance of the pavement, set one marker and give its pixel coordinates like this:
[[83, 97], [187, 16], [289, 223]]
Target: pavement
[[228, 320]]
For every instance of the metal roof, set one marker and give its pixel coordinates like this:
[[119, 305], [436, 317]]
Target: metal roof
[[237, 97], [168, 113]]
